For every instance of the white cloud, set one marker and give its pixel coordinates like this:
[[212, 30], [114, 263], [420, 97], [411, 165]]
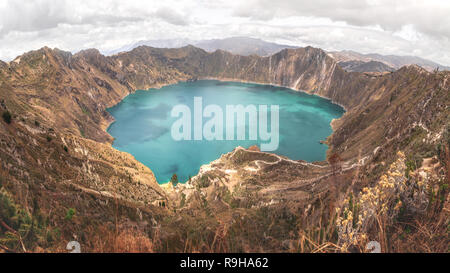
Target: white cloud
[[388, 27], [172, 16]]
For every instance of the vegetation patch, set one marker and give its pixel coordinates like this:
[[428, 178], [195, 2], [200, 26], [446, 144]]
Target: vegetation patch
[[7, 117]]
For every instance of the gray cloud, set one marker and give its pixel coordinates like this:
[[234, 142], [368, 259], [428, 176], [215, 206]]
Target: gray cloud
[[172, 16], [38, 15], [32, 15], [430, 17]]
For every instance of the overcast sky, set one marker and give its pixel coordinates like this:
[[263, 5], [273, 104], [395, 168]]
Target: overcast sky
[[400, 27]]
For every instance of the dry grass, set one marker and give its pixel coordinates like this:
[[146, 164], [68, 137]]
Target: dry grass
[[105, 240]]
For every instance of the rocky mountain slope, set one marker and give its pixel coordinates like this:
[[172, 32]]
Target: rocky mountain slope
[[60, 175]]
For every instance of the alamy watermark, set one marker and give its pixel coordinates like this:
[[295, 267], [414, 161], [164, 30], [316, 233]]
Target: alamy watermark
[[227, 124], [74, 247]]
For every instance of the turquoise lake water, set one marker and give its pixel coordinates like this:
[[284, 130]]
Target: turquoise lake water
[[143, 124]]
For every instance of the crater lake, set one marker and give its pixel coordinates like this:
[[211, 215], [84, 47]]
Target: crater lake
[[143, 124]]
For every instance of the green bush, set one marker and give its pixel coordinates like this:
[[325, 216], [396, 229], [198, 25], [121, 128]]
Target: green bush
[[411, 165], [7, 117], [22, 228], [183, 200], [204, 182], [70, 213]]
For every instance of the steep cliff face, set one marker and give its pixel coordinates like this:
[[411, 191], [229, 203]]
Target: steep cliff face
[[302, 69]]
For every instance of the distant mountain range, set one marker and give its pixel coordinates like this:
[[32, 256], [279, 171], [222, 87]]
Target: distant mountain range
[[242, 46], [237, 45], [361, 66], [350, 60], [166, 43], [393, 61]]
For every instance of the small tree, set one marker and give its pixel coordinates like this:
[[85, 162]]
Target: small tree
[[174, 179], [7, 117], [70, 213], [335, 162]]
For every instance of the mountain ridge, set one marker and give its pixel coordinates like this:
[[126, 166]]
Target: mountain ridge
[[370, 66], [389, 60], [247, 46]]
